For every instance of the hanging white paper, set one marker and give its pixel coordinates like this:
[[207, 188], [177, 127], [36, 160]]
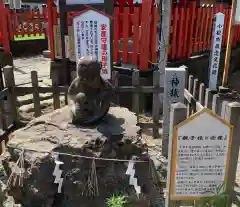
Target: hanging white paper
[[132, 180], [60, 185], [130, 168], [58, 173]]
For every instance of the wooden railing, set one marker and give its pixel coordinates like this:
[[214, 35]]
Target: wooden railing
[[12, 92]]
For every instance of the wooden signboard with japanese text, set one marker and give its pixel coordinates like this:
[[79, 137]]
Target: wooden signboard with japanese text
[[67, 49], [199, 156], [92, 37], [72, 54], [57, 42]]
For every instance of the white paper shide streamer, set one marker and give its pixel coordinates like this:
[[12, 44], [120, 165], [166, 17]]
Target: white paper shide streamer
[[58, 173], [132, 180]]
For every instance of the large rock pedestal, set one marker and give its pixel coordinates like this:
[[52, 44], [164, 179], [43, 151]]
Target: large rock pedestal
[[116, 137]]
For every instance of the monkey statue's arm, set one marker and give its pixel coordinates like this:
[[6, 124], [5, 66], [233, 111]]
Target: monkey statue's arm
[[72, 92], [108, 91], [105, 95]]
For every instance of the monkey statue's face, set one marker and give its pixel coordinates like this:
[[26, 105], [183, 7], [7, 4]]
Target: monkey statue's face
[[88, 70]]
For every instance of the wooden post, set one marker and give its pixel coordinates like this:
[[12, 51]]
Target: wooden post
[[223, 108], [178, 113], [36, 98], [3, 23], [135, 82], [2, 118], [195, 88], [10, 84], [232, 115], [201, 93], [50, 28], [156, 103], [164, 27], [229, 44], [115, 78], [215, 103], [190, 90], [218, 100], [56, 94], [208, 98], [165, 14], [64, 30], [109, 9]]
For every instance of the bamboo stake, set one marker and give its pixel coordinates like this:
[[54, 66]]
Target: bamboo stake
[[229, 42]]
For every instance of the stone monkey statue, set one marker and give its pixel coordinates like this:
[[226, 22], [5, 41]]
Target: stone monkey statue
[[89, 96]]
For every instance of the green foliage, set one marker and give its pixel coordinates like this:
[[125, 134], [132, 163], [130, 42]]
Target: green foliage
[[116, 201], [221, 199]]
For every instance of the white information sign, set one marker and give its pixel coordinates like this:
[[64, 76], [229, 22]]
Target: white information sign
[[70, 2], [217, 33], [237, 13], [174, 85], [92, 37], [200, 156]]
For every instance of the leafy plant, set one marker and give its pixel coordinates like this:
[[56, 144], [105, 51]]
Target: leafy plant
[[221, 199], [117, 201]]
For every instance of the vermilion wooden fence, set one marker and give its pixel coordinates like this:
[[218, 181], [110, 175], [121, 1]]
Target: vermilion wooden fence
[[19, 25], [26, 25], [191, 31], [135, 30]]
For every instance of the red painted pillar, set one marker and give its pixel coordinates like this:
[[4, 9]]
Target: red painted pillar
[[50, 28], [3, 25]]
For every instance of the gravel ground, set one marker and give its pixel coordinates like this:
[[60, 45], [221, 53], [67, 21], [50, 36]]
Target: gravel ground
[[24, 66]]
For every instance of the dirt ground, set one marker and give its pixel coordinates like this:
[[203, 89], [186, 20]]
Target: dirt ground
[[24, 66]]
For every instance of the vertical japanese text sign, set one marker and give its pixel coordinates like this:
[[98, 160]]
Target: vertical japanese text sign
[[217, 32], [174, 85], [92, 37], [200, 156]]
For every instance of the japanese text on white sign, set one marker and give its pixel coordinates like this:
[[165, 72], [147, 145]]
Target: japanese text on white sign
[[92, 34], [173, 92], [217, 32], [200, 156]]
